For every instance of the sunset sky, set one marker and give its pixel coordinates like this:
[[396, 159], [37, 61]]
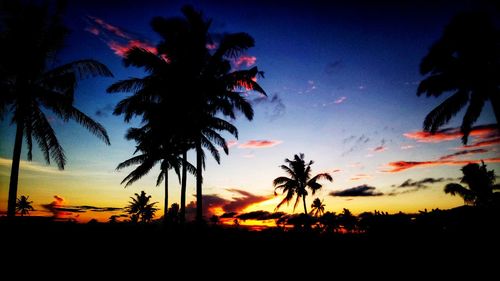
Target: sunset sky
[[341, 82]]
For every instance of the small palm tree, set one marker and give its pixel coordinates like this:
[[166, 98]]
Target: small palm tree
[[23, 205], [299, 179], [480, 182], [140, 209], [317, 208], [464, 61]]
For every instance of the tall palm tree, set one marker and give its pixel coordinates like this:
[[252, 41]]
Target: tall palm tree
[[23, 205], [464, 61], [140, 208], [480, 182], [299, 180], [196, 82], [31, 37], [317, 208]]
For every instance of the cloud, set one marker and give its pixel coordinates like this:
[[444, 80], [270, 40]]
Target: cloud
[[336, 171], [228, 215], [116, 38], [260, 215], [360, 177], [59, 210], [273, 105], [332, 67], [461, 153], [399, 166], [247, 60], [56, 208], [231, 143], [358, 142], [410, 186], [214, 204], [340, 100], [408, 146], [260, 143], [379, 149], [484, 143], [357, 191], [30, 166], [212, 46], [449, 134], [104, 111]]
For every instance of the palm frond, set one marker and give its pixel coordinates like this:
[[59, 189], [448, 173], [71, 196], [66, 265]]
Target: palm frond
[[233, 45], [81, 69], [445, 111], [213, 150], [92, 126], [139, 159], [46, 138], [280, 180], [142, 170], [128, 85], [143, 58], [471, 115]]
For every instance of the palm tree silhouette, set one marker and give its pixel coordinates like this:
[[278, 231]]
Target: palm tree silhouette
[[348, 220], [299, 179], [31, 37], [463, 61], [480, 182], [140, 209], [194, 82], [23, 205], [317, 208]]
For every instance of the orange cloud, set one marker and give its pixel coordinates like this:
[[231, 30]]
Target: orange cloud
[[260, 143], [405, 165], [448, 134], [247, 60], [463, 152]]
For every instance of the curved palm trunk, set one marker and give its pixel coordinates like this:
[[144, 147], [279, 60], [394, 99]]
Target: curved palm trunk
[[199, 181], [14, 172], [183, 188], [165, 212], [304, 200], [495, 102]]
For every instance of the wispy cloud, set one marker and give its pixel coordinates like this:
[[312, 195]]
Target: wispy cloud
[[104, 111], [340, 100], [398, 166], [357, 191], [462, 153], [360, 177], [260, 143], [406, 147], [116, 38], [449, 134], [273, 106], [379, 149], [484, 143], [30, 166], [231, 143], [247, 60], [410, 185]]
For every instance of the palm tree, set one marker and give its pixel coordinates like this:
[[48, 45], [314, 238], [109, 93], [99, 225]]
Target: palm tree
[[463, 61], [23, 205], [299, 179], [317, 208], [31, 37], [347, 220], [140, 209], [195, 83], [480, 182]]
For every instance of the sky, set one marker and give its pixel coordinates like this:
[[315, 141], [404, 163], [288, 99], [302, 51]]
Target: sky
[[341, 81]]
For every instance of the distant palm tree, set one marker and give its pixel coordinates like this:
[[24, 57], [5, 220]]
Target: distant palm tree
[[317, 208], [348, 220], [23, 205], [31, 36], [140, 209], [299, 179], [480, 182], [463, 61], [329, 221]]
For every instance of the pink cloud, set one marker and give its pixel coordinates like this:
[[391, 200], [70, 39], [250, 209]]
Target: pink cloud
[[448, 134], [211, 46], [340, 100], [120, 49], [231, 143], [95, 31], [399, 166], [360, 177], [111, 28], [247, 60], [260, 143], [485, 143]]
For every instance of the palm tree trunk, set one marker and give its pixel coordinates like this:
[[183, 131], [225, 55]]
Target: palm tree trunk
[[14, 172], [199, 180], [304, 200], [183, 188], [165, 212], [495, 102]]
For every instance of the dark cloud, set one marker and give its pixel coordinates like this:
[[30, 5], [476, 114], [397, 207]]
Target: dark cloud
[[228, 215], [260, 215], [356, 141], [244, 200], [58, 209], [410, 185], [334, 66], [274, 107], [398, 166], [357, 191], [104, 111], [463, 152]]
